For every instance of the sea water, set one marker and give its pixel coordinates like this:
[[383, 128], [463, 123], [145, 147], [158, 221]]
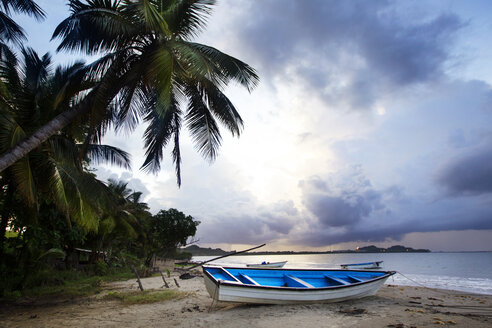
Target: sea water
[[463, 271]]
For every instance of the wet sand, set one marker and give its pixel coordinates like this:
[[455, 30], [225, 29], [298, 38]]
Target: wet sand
[[392, 306]]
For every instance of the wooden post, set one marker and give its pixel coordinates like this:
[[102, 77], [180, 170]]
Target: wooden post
[[176, 282], [163, 279], [138, 278]]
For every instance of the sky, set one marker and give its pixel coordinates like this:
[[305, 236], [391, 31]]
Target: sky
[[371, 125]]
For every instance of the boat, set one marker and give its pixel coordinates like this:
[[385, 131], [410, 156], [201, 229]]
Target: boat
[[267, 265], [367, 265], [283, 286]]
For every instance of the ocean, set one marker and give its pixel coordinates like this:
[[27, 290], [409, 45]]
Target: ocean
[[462, 271]]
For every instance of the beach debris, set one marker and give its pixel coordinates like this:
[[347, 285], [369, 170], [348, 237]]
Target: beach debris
[[452, 322], [176, 282], [437, 318], [439, 322], [416, 297], [33, 316], [414, 302], [187, 275], [164, 279], [192, 309], [354, 311], [396, 325], [434, 299], [420, 311], [138, 278]]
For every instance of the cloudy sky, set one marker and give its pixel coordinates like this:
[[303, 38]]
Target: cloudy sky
[[371, 125]]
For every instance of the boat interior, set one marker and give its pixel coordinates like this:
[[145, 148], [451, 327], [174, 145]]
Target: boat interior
[[292, 278]]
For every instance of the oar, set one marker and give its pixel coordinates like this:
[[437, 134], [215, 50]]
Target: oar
[[216, 258]]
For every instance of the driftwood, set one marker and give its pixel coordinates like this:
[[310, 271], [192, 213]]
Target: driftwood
[[138, 278], [185, 276], [164, 279], [176, 282]]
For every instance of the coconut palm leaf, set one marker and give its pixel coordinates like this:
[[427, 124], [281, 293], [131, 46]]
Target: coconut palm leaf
[[94, 26], [108, 154], [28, 7], [202, 125], [186, 19], [9, 30], [159, 132]]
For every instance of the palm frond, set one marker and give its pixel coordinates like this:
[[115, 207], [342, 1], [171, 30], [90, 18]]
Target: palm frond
[[150, 16], [96, 26], [176, 150], [222, 107], [10, 31], [202, 125], [28, 7], [229, 67], [24, 180], [158, 133], [57, 190], [6, 55], [187, 19], [36, 69], [108, 154]]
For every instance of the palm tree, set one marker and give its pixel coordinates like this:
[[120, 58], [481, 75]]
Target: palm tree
[[54, 172], [153, 71], [123, 222]]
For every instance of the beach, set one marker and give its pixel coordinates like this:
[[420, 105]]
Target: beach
[[392, 306]]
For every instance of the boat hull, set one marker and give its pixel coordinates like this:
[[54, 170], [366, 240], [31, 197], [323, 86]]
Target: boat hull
[[267, 265], [372, 265], [236, 292]]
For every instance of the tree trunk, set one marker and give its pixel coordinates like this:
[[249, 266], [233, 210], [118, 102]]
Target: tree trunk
[[5, 219], [37, 138]]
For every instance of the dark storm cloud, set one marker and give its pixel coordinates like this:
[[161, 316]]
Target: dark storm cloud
[[364, 43], [470, 174], [340, 208], [348, 209], [474, 220], [336, 211]]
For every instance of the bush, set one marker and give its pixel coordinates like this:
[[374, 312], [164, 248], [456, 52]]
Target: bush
[[101, 268]]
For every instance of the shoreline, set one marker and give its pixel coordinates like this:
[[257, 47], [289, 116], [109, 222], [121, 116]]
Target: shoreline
[[392, 306]]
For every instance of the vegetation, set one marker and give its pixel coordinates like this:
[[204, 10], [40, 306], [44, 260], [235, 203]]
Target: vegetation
[[61, 228], [145, 297]]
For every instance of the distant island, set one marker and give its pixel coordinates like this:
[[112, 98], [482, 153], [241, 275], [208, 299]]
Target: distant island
[[199, 251]]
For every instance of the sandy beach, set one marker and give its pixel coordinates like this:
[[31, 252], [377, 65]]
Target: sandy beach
[[393, 306]]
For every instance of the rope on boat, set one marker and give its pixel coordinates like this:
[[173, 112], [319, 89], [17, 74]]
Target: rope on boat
[[210, 308], [442, 291]]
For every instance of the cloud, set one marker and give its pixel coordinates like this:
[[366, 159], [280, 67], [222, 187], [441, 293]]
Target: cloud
[[470, 173], [263, 224], [345, 52], [395, 231], [343, 201], [345, 207]]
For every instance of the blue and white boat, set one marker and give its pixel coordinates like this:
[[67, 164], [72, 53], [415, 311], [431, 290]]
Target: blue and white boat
[[366, 265], [281, 286], [267, 265]]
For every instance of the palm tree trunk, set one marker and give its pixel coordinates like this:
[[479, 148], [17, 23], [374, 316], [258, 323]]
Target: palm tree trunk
[[5, 220], [37, 138]]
